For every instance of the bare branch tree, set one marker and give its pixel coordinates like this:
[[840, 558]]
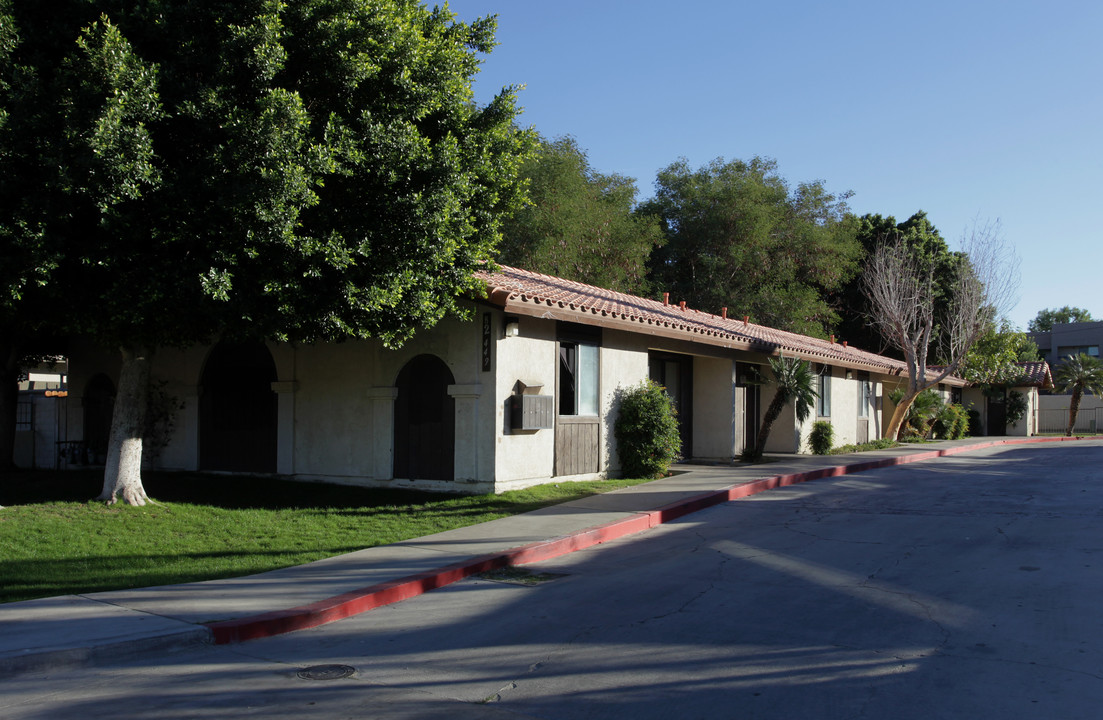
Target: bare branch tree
[[900, 286]]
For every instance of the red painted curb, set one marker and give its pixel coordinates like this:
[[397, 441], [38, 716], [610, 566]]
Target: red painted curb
[[371, 597]]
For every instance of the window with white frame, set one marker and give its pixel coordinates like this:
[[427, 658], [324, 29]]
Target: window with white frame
[[578, 375], [865, 395], [823, 402], [579, 358]]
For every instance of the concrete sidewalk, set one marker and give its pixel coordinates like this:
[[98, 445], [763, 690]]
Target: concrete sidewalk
[[85, 629]]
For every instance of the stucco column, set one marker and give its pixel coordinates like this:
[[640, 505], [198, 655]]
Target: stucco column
[[381, 431], [285, 426], [468, 431]]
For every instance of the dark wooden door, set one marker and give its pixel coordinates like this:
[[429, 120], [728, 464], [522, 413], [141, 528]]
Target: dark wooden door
[[424, 421], [752, 399], [238, 411], [997, 413], [747, 375]]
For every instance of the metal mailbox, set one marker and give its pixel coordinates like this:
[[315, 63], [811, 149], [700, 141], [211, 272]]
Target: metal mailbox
[[531, 412]]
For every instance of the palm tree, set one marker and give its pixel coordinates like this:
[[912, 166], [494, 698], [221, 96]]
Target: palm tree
[[1079, 373], [795, 382]]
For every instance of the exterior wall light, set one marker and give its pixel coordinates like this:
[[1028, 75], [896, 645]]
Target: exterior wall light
[[513, 327]]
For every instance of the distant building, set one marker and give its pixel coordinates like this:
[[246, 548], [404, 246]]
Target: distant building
[[1063, 341], [1068, 339]]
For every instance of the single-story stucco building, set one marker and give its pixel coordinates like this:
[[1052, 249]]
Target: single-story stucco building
[[524, 393], [991, 401]]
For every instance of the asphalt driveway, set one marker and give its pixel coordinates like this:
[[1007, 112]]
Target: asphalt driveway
[[964, 587]]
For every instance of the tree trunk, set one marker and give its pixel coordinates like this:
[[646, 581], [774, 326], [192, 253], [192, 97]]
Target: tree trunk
[[9, 400], [772, 413], [899, 415], [122, 476], [1074, 408]]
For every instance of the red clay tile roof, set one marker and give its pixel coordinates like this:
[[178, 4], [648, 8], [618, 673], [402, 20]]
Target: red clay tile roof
[[528, 293], [1034, 373]]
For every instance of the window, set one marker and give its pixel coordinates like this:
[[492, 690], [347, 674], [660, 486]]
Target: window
[[578, 369], [865, 394], [1071, 350], [823, 403]]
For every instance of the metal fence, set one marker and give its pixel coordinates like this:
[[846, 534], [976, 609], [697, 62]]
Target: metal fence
[[1088, 420]]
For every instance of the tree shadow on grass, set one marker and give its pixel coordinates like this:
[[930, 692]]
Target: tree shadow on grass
[[232, 492]]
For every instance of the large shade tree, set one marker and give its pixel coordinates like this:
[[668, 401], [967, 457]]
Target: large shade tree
[[579, 223], [26, 262], [904, 305], [927, 243], [300, 170], [739, 237]]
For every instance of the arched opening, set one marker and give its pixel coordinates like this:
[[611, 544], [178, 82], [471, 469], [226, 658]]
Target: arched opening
[[424, 421], [238, 409], [98, 405]]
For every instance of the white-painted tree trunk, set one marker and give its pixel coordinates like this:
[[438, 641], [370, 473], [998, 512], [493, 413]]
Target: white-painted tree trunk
[[122, 477]]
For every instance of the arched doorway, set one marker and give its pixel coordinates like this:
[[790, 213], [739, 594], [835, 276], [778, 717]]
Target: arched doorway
[[424, 421], [98, 405], [238, 410]]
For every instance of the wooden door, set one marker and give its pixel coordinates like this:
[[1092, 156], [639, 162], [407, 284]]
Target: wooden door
[[578, 421], [997, 412], [238, 411], [424, 421]]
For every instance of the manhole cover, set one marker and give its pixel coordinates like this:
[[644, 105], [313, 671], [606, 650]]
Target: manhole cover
[[519, 576], [326, 672]]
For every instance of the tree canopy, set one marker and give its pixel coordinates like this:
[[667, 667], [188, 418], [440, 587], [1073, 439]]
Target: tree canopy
[[301, 170], [738, 236], [924, 239], [579, 223], [904, 304], [993, 358], [1045, 319]]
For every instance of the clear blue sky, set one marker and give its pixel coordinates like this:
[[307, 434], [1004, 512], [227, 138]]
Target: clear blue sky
[[990, 110]]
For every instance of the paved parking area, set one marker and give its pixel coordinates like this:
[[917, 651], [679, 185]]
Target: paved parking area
[[964, 587]]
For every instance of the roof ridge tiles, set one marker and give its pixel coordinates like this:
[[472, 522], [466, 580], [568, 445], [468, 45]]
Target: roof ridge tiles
[[540, 288]]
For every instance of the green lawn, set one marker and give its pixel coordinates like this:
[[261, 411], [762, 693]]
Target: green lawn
[[54, 542]]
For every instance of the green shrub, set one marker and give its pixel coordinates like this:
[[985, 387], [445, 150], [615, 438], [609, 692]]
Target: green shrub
[[961, 423], [822, 437], [646, 430], [974, 423], [951, 423], [882, 444], [1016, 407]]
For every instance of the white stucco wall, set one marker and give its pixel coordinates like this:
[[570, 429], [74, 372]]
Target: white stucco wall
[[623, 365], [1053, 413], [1028, 425], [713, 408], [523, 458], [336, 402]]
